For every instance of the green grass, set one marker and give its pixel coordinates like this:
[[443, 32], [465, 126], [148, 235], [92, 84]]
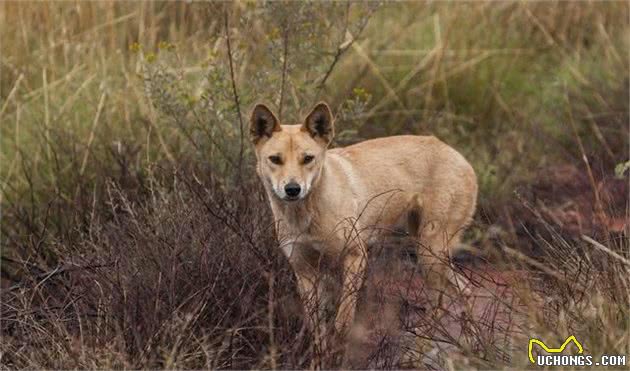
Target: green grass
[[491, 75]]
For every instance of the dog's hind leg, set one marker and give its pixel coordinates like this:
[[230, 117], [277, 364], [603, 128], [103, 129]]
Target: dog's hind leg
[[433, 255], [433, 248]]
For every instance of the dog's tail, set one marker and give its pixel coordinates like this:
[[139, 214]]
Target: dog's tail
[[414, 215]]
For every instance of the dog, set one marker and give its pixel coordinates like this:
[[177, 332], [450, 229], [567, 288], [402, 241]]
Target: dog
[[333, 202]]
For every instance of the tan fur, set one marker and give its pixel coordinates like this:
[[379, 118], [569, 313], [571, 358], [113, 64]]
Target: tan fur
[[350, 194]]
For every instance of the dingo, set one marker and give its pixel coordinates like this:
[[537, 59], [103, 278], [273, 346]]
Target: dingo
[[335, 201]]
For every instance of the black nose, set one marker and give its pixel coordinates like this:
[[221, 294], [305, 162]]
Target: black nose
[[292, 189]]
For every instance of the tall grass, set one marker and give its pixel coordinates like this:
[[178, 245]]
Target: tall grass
[[128, 188]]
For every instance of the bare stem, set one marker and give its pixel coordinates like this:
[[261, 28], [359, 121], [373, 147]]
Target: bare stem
[[344, 45], [285, 40], [235, 93]]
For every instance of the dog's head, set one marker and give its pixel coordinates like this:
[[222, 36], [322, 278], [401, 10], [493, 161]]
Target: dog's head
[[291, 157]]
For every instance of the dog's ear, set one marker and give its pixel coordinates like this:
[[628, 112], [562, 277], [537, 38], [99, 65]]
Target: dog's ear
[[414, 216], [262, 123], [319, 123]]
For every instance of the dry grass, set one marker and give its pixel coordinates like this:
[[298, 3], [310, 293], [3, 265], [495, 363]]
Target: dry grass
[[134, 234]]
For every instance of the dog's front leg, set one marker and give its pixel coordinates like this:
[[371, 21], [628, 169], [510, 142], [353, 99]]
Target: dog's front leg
[[315, 300], [307, 287], [354, 264], [304, 261]]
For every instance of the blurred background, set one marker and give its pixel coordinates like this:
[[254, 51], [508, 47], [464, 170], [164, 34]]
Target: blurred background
[[124, 158]]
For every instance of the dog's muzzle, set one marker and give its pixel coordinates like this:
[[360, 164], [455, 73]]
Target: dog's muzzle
[[292, 191]]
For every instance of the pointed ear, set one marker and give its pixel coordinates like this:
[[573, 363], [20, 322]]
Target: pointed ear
[[319, 123], [414, 216], [263, 123]]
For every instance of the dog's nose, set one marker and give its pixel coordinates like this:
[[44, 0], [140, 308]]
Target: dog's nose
[[292, 189]]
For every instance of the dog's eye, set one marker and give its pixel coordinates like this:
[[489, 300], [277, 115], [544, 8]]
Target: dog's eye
[[308, 159], [275, 159]]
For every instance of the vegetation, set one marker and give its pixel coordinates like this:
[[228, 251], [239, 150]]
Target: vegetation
[[135, 233]]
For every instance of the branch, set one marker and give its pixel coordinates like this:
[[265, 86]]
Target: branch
[[234, 92], [284, 67], [343, 46]]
